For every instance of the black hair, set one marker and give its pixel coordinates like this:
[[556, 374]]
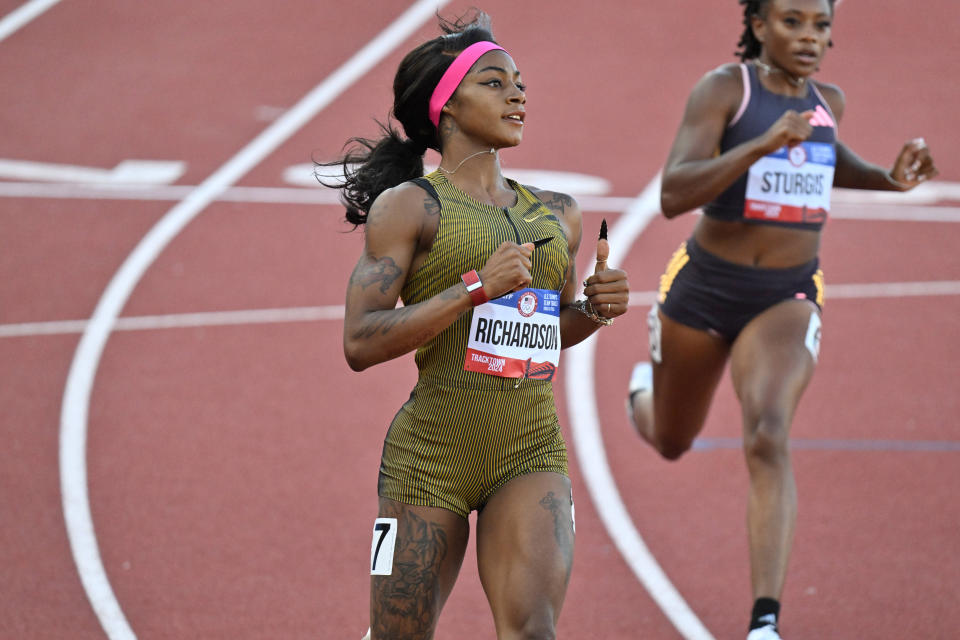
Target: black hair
[[749, 47], [370, 167]]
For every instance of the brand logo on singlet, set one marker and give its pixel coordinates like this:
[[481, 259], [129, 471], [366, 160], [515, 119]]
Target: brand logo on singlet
[[821, 118]]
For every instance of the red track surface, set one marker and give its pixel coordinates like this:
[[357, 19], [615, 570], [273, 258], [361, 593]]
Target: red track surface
[[232, 470]]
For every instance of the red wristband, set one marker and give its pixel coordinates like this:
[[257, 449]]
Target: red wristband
[[474, 287]]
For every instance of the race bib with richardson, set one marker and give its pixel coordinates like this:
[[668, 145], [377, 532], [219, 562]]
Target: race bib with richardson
[[516, 335], [792, 184]]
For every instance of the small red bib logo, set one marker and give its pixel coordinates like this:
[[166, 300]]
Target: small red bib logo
[[527, 304], [797, 156]]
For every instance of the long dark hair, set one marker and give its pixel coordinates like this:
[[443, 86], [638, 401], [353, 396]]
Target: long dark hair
[[370, 167], [749, 47]]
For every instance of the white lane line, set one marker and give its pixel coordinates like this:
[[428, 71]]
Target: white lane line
[[894, 213], [853, 291], [926, 193], [588, 443], [180, 321], [22, 15], [335, 312], [129, 172], [272, 195], [76, 398], [892, 289], [856, 205]]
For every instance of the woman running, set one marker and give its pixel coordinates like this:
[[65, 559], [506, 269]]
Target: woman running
[[757, 149], [485, 268]]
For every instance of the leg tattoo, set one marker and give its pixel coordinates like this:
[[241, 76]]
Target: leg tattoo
[[405, 603], [562, 525]]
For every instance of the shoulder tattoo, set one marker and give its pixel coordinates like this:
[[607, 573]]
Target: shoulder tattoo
[[558, 203], [430, 206]]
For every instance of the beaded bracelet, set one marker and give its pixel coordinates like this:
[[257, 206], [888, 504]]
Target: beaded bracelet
[[584, 307]]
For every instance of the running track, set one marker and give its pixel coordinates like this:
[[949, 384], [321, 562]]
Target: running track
[[230, 456]]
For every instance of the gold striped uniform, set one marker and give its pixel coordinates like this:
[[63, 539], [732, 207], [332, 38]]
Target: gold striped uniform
[[464, 434]]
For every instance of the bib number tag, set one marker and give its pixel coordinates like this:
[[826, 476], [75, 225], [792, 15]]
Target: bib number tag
[[653, 333], [516, 335], [791, 184], [812, 339], [381, 549]]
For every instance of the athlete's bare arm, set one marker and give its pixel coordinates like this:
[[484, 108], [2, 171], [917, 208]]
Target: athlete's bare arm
[[374, 328], [608, 286], [913, 164], [695, 173]]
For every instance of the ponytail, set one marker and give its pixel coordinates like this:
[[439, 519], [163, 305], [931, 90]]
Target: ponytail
[[371, 167]]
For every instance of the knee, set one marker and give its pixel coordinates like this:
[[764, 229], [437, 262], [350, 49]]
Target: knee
[[669, 446], [538, 630], [766, 439], [529, 623], [671, 450]]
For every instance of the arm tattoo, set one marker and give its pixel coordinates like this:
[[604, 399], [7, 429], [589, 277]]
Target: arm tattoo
[[405, 603], [377, 270], [383, 322]]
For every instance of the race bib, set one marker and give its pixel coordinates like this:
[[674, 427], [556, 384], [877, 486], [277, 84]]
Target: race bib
[[516, 335], [792, 184]]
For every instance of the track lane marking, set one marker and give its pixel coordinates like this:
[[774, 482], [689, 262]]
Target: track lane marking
[[828, 444], [22, 15], [854, 291], [127, 172], [79, 385], [856, 205], [589, 450]]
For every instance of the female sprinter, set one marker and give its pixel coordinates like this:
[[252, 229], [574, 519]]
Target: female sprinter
[[485, 269], [758, 150]]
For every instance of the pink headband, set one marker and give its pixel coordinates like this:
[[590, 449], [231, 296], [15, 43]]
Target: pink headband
[[454, 75]]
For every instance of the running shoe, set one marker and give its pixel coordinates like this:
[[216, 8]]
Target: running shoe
[[640, 380], [766, 632]]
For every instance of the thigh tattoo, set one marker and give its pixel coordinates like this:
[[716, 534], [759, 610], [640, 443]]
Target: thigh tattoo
[[562, 524], [406, 597]]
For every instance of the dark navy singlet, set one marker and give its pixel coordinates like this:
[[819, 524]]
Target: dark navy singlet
[[791, 186]]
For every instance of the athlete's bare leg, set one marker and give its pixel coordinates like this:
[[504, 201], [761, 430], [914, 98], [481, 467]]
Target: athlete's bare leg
[[692, 361], [429, 550], [771, 366], [525, 552]]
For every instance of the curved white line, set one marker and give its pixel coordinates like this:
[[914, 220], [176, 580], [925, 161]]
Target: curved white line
[[22, 15], [588, 441], [76, 397]]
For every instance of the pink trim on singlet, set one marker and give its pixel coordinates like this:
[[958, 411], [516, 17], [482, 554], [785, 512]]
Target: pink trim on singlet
[[826, 105], [746, 95]]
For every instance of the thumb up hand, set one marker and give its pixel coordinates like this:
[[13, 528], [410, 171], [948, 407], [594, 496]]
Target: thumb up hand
[[603, 248]]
